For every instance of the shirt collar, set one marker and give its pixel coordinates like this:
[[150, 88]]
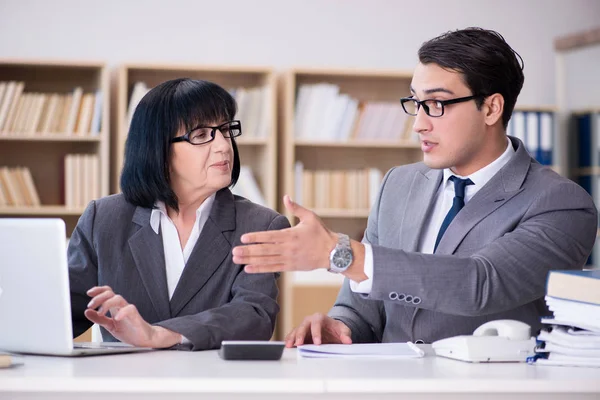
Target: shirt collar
[[160, 209], [482, 176]]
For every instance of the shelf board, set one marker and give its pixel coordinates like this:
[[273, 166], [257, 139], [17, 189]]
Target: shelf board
[[48, 137], [341, 213], [584, 111], [251, 141], [63, 64], [42, 211], [526, 108], [354, 72], [162, 67], [374, 144]]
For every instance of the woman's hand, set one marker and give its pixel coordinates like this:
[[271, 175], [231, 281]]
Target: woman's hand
[[125, 322]]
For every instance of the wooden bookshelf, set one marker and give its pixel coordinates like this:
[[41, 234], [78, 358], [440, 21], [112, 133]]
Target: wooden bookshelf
[[316, 291], [43, 152], [49, 137], [259, 153]]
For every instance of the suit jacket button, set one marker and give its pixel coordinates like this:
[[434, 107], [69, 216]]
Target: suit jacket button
[[393, 296], [401, 296], [416, 300], [408, 299]]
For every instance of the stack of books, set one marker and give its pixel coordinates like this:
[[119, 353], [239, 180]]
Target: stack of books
[[324, 114], [572, 335]]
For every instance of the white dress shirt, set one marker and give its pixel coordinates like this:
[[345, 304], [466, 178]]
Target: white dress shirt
[[175, 257], [443, 203]]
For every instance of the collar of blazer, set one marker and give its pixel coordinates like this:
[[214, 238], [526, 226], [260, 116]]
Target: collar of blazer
[[498, 190], [213, 246]]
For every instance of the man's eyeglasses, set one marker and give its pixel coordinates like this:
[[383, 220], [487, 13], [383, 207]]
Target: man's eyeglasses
[[206, 134], [432, 107]]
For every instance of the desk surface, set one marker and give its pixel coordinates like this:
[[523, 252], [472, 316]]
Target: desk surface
[[185, 373]]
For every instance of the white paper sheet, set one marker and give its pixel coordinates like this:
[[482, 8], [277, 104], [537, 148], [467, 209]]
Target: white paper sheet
[[369, 350]]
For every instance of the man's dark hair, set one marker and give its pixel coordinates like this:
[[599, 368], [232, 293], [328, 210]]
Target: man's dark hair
[[160, 116], [488, 64]]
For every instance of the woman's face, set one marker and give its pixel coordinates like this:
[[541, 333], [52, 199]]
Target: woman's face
[[203, 169]]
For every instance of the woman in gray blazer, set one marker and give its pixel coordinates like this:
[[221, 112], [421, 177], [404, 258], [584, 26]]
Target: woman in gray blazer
[[156, 260]]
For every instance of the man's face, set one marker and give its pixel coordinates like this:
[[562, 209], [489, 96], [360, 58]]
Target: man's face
[[455, 139]]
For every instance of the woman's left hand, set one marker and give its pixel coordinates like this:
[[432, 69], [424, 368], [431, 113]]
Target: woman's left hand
[[125, 322]]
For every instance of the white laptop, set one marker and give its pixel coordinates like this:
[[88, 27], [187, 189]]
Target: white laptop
[[35, 305]]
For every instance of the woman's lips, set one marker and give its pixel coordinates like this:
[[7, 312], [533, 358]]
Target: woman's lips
[[222, 165]]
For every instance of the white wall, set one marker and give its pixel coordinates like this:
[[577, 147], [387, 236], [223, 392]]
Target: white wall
[[280, 33], [582, 78]]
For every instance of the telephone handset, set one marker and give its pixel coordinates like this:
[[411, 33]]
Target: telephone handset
[[495, 341]]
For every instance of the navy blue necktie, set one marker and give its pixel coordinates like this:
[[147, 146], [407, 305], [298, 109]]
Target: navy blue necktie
[[457, 205]]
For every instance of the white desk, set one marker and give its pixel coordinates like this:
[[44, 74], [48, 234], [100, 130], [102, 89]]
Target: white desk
[[185, 375]]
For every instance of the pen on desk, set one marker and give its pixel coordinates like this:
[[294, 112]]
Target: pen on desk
[[416, 348], [7, 360]]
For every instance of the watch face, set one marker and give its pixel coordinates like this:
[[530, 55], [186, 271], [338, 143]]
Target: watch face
[[342, 258]]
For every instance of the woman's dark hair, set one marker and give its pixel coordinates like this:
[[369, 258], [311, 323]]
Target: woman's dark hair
[[159, 117], [488, 64]]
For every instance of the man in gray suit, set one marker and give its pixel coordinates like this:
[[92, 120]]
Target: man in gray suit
[[465, 237]]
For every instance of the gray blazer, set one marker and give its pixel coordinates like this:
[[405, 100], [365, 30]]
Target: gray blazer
[[491, 263], [114, 244]]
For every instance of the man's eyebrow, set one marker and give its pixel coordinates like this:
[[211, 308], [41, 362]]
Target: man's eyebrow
[[434, 90]]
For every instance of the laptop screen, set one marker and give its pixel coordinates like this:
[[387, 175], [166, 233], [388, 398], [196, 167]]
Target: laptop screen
[[35, 307]]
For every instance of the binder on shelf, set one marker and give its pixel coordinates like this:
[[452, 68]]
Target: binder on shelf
[[546, 138], [532, 134], [585, 134]]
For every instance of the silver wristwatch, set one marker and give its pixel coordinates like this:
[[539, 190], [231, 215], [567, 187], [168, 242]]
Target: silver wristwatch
[[341, 257]]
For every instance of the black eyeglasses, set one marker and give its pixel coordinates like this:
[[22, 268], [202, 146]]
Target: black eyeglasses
[[206, 134], [432, 107]]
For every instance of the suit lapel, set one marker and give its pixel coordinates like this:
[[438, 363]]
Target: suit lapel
[[421, 197], [148, 253], [213, 246], [497, 192]]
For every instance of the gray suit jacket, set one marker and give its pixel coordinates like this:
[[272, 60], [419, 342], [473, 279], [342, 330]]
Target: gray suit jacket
[[491, 263], [114, 244]]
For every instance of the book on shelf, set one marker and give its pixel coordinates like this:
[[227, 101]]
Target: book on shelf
[[349, 189], [137, 93], [84, 119], [32, 113], [81, 179], [96, 123], [323, 113], [71, 117], [9, 104], [17, 188], [247, 187], [253, 110]]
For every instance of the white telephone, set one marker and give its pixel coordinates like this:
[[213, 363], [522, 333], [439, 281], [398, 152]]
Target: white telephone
[[503, 340]]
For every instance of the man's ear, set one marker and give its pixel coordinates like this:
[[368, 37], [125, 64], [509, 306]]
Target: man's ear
[[493, 107]]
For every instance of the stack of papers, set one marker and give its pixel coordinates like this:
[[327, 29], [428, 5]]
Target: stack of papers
[[572, 337], [369, 350], [562, 345]]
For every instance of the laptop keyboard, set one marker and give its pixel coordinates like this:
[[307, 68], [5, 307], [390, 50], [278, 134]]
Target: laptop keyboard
[[100, 345]]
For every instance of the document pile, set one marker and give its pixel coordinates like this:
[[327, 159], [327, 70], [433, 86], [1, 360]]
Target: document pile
[[369, 350], [572, 336]]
